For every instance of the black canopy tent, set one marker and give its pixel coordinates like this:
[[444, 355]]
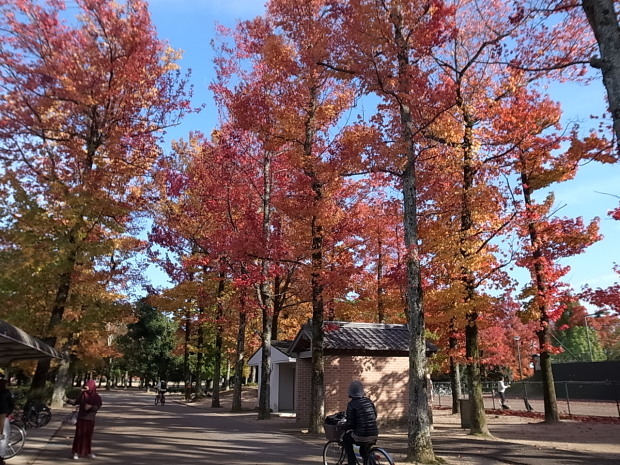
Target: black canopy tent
[[16, 344]]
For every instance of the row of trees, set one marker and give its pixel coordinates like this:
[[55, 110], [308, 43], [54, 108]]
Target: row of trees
[[369, 152], [460, 140], [83, 105], [584, 337]]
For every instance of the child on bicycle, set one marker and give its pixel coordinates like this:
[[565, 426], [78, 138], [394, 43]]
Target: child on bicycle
[[361, 426]]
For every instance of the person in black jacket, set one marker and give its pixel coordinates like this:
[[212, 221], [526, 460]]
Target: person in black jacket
[[361, 426], [7, 404]]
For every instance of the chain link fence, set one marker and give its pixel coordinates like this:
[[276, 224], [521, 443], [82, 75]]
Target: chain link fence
[[578, 398]]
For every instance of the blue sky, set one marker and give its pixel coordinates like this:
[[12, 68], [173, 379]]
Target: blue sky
[[189, 25]]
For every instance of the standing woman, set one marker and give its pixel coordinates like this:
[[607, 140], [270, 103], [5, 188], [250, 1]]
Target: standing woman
[[89, 403], [6, 407]]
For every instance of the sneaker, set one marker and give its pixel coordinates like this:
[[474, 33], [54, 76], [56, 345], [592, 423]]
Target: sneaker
[[92, 456], [75, 457]]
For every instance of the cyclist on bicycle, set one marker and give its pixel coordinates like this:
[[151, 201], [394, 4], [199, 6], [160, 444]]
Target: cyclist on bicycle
[[162, 387], [361, 426]]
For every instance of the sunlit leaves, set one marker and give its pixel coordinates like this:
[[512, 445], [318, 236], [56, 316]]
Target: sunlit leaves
[[85, 101]]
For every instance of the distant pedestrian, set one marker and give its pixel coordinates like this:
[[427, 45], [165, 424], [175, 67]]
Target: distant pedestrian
[[89, 403], [7, 404], [429, 397], [501, 390]]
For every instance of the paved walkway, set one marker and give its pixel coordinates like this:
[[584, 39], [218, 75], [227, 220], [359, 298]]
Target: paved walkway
[[132, 431]]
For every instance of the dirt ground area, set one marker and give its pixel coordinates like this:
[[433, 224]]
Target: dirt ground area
[[593, 435]]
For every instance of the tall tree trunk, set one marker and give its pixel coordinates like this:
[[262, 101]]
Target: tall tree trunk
[[277, 306], [280, 290], [64, 283], [186, 344], [544, 332], [63, 381], [317, 381], [419, 444], [317, 393], [550, 399], [219, 339], [226, 383], [240, 360], [380, 288], [472, 348], [264, 409], [265, 297], [58, 309], [200, 357], [603, 19], [64, 378], [472, 352], [455, 368], [40, 374]]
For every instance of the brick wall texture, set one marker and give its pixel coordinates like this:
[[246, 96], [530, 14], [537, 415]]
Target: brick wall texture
[[385, 381]]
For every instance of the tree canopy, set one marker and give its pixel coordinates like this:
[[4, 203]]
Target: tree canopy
[[385, 161]]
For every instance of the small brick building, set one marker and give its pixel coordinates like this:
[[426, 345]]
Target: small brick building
[[375, 354]]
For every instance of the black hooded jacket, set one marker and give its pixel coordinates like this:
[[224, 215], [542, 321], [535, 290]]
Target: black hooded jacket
[[7, 404], [362, 417]]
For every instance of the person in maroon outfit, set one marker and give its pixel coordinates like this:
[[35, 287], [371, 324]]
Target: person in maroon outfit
[[89, 403]]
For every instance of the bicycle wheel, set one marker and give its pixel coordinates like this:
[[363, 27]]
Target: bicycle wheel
[[17, 437], [157, 399], [42, 418], [378, 456], [19, 421], [333, 453]]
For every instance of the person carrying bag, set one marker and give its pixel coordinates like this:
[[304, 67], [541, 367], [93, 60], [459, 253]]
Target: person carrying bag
[[89, 403]]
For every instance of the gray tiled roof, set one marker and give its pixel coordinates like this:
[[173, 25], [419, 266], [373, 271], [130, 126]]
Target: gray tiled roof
[[282, 346], [342, 336], [366, 336]]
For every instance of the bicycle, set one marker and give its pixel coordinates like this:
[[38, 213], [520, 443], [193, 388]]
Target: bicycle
[[334, 453], [160, 398], [17, 438], [33, 415]]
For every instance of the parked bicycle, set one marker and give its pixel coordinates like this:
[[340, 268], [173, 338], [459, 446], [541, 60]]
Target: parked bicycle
[[334, 453], [17, 438], [34, 414], [30, 413]]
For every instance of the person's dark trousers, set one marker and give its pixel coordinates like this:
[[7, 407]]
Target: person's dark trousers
[[502, 397], [347, 442]]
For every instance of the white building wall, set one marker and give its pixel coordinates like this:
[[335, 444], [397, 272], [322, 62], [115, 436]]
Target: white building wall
[[274, 378]]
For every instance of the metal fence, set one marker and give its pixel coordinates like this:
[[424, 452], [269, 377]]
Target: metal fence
[[583, 398]]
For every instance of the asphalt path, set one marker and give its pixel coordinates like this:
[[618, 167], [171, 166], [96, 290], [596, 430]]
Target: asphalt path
[[130, 429]]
